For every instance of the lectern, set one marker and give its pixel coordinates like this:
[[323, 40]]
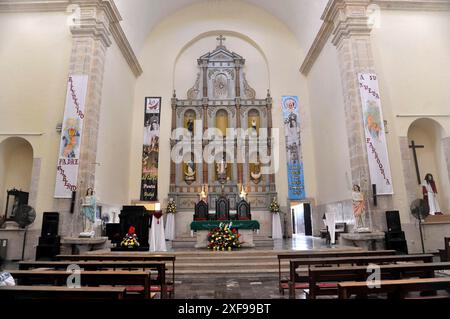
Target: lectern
[[138, 217]]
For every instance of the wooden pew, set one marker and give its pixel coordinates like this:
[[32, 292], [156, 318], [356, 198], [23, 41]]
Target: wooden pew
[[283, 282], [445, 253], [87, 278], [323, 280], [52, 292], [160, 267], [170, 286], [394, 288], [297, 281]]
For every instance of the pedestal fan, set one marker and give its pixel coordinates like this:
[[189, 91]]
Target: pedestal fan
[[420, 210]]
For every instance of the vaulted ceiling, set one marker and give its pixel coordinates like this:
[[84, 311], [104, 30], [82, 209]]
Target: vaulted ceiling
[[140, 16]]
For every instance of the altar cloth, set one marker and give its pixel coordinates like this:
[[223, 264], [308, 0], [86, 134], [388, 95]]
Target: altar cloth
[[211, 224]]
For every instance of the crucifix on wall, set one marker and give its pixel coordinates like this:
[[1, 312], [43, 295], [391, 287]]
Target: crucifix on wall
[[414, 147]]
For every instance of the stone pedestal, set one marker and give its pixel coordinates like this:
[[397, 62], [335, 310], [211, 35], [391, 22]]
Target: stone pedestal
[[434, 229], [78, 246], [368, 241], [246, 238]]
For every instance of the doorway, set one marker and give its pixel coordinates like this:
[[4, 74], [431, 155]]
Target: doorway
[[301, 219]]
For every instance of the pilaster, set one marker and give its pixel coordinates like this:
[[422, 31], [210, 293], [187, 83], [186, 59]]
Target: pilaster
[[351, 36]]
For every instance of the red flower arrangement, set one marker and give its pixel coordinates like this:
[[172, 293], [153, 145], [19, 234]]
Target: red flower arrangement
[[130, 240], [224, 238]]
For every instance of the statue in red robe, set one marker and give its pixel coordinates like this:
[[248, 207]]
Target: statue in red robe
[[429, 195]]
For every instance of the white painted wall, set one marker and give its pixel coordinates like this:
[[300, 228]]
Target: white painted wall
[[140, 17], [411, 54], [35, 51], [246, 23], [115, 127], [332, 156]]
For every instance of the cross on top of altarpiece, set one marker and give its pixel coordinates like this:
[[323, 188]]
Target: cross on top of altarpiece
[[221, 38]]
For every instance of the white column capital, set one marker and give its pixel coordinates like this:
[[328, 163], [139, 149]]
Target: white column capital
[[349, 18]]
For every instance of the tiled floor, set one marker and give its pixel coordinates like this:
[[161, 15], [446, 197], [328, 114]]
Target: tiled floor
[[228, 288]]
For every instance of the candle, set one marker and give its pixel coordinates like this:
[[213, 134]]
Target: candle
[[157, 206]]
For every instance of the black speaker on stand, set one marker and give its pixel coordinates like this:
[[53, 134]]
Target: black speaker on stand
[[395, 237], [49, 242]]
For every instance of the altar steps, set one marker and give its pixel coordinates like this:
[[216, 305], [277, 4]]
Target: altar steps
[[189, 242], [258, 263]]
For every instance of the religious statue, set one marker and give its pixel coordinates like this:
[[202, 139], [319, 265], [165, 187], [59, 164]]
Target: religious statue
[[255, 172], [221, 169], [358, 208], [243, 194], [254, 127], [429, 195], [190, 126], [189, 173], [88, 208], [203, 195]]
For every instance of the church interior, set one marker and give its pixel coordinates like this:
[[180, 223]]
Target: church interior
[[224, 149]]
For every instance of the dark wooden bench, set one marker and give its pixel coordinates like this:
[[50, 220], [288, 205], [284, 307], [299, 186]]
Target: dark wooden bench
[[170, 286], [53, 292], [297, 281], [137, 281], [159, 266], [445, 253], [396, 289], [324, 280], [283, 282]]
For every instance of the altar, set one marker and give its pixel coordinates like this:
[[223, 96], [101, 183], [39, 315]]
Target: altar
[[246, 228], [221, 98]]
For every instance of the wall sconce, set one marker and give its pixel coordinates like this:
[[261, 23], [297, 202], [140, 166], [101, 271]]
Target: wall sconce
[[59, 127]]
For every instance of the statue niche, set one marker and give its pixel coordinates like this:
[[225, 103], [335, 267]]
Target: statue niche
[[189, 121], [190, 170], [253, 122]]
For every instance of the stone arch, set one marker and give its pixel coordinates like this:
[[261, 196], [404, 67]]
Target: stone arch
[[16, 168], [433, 158]]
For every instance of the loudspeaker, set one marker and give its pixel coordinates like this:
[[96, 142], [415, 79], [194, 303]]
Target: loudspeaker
[[113, 233], [50, 223], [396, 241], [393, 221]]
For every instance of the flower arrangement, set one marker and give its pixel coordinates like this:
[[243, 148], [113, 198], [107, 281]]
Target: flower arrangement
[[274, 206], [171, 207], [130, 240], [224, 238]]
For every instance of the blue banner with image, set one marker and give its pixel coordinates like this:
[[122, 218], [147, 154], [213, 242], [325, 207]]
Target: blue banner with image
[[294, 158]]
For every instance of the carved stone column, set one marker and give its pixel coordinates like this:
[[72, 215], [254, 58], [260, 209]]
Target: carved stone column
[[205, 127], [174, 126], [269, 136], [91, 39], [351, 36]]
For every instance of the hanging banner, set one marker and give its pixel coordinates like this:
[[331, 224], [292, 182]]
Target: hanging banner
[[150, 153], [72, 127], [380, 171], [296, 184]]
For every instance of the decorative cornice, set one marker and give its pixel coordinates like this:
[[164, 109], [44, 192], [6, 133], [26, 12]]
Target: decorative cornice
[[425, 5], [335, 7], [317, 46], [91, 28], [97, 29]]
